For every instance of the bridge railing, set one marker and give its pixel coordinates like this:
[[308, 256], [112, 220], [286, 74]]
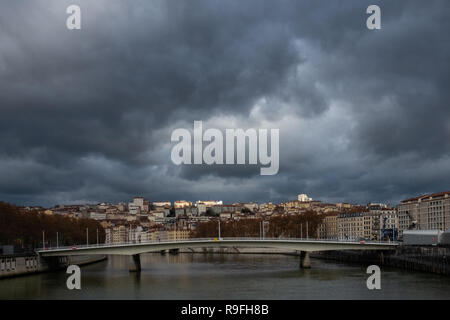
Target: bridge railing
[[224, 239]]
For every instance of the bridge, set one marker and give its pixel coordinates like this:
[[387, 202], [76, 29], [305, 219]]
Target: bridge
[[134, 249]]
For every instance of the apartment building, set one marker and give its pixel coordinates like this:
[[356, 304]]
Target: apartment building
[[354, 225], [328, 229], [118, 234], [388, 219], [178, 234], [426, 212]]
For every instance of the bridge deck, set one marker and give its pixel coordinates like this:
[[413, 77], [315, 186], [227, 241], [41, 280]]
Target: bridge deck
[[155, 246]]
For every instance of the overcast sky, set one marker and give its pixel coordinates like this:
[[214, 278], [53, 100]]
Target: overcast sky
[[87, 115]]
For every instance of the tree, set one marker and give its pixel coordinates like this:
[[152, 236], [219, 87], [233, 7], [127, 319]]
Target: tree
[[296, 225], [23, 228]]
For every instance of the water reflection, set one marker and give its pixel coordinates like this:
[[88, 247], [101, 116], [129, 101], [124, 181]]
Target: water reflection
[[225, 276]]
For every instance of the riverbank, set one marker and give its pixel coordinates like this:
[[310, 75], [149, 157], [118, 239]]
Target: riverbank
[[412, 258], [13, 266]]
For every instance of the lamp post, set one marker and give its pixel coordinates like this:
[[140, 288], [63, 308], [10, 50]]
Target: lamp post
[[307, 235], [97, 236], [87, 236], [43, 239], [263, 233], [57, 242], [219, 228], [260, 229]]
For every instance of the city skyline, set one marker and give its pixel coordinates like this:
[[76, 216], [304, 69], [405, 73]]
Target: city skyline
[[195, 201]]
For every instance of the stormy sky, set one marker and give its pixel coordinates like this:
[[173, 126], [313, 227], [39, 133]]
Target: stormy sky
[[87, 115]]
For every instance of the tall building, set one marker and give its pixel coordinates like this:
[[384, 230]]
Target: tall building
[[201, 208], [429, 211], [388, 219], [138, 202]]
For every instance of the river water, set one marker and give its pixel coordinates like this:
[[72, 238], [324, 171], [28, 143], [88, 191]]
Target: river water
[[226, 276]]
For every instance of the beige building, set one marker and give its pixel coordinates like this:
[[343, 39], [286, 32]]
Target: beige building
[[328, 229], [118, 234], [267, 207], [296, 205], [178, 234], [343, 205], [356, 225], [430, 211], [161, 235]]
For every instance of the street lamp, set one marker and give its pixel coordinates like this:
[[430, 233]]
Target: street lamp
[[263, 233], [260, 229], [87, 236], [219, 228], [307, 236]]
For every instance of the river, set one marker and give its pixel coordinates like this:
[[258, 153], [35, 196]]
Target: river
[[226, 276]]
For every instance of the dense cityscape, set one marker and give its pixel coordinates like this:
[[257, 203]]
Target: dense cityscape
[[142, 220]]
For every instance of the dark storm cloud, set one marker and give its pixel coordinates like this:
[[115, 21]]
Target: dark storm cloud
[[87, 115]]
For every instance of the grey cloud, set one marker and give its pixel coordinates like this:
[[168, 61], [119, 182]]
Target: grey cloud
[[114, 90]]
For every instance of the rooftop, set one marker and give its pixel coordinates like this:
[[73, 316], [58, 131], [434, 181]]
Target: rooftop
[[433, 195]]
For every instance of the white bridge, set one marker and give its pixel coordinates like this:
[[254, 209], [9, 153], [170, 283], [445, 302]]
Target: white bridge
[[134, 249]]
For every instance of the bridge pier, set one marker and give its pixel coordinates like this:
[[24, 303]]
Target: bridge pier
[[135, 263], [53, 263], [305, 261]]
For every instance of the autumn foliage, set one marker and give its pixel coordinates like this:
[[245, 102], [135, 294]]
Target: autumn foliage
[[23, 228], [279, 226], [298, 225], [231, 228]]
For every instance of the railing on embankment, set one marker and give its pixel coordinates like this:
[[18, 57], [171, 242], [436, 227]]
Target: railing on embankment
[[13, 265]]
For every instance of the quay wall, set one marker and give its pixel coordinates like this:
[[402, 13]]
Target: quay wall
[[431, 259], [13, 265]]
